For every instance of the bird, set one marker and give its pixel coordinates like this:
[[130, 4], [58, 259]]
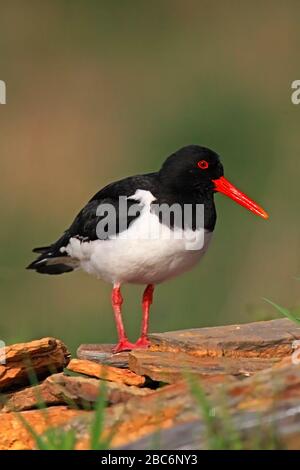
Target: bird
[[121, 236]]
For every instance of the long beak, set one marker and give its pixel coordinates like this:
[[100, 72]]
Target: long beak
[[222, 185]]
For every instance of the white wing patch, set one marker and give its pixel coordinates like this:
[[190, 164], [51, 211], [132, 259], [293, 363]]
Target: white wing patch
[[143, 196]]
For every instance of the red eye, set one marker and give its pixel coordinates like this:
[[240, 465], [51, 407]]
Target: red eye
[[202, 164]]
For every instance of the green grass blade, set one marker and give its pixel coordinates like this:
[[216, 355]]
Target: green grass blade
[[284, 311]]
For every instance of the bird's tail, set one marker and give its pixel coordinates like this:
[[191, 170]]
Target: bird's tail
[[51, 261]]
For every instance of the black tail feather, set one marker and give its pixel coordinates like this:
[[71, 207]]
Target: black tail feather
[[41, 249], [48, 263], [59, 268], [52, 260]]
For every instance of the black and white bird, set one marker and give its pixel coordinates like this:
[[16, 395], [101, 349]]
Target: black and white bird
[[133, 242]]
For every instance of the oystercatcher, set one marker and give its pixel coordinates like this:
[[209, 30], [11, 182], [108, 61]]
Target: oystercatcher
[[119, 246]]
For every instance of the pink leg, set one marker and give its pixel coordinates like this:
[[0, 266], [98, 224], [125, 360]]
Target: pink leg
[[143, 341], [117, 300]]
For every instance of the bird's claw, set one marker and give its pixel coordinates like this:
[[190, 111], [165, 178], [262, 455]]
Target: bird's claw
[[123, 345], [142, 342]]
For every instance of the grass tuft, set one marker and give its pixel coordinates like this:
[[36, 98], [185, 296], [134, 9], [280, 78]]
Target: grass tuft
[[284, 311]]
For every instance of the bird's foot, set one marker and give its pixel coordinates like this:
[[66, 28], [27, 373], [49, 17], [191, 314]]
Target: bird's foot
[[142, 342], [123, 345]]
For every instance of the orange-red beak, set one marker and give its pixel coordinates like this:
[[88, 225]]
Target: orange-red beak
[[222, 185]]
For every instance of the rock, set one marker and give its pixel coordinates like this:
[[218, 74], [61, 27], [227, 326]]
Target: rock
[[103, 354], [104, 372], [41, 356], [217, 358], [186, 436], [139, 416], [85, 390], [13, 434], [169, 367], [32, 397], [266, 389], [265, 339], [262, 410], [60, 389], [270, 396], [255, 432], [142, 415]]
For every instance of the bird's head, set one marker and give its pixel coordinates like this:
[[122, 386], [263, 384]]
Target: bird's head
[[199, 169]]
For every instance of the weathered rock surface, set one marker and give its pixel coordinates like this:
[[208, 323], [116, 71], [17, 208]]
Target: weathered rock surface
[[103, 354], [60, 389], [255, 432], [104, 372], [169, 367], [261, 339], [255, 404], [245, 371], [13, 434], [85, 390], [43, 357], [263, 411], [31, 397], [143, 415]]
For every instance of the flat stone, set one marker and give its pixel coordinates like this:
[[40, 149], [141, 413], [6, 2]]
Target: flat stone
[[104, 372], [41, 356], [60, 389], [265, 339], [169, 367], [86, 390], [103, 354], [31, 397]]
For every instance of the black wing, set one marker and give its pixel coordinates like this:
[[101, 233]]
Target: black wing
[[92, 223]]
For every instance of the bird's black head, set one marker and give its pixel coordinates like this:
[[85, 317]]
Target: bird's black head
[[192, 168], [196, 170]]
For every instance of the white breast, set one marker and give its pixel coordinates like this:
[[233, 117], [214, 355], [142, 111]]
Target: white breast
[[147, 253]]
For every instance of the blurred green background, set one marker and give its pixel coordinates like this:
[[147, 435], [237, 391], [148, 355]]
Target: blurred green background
[[99, 90]]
